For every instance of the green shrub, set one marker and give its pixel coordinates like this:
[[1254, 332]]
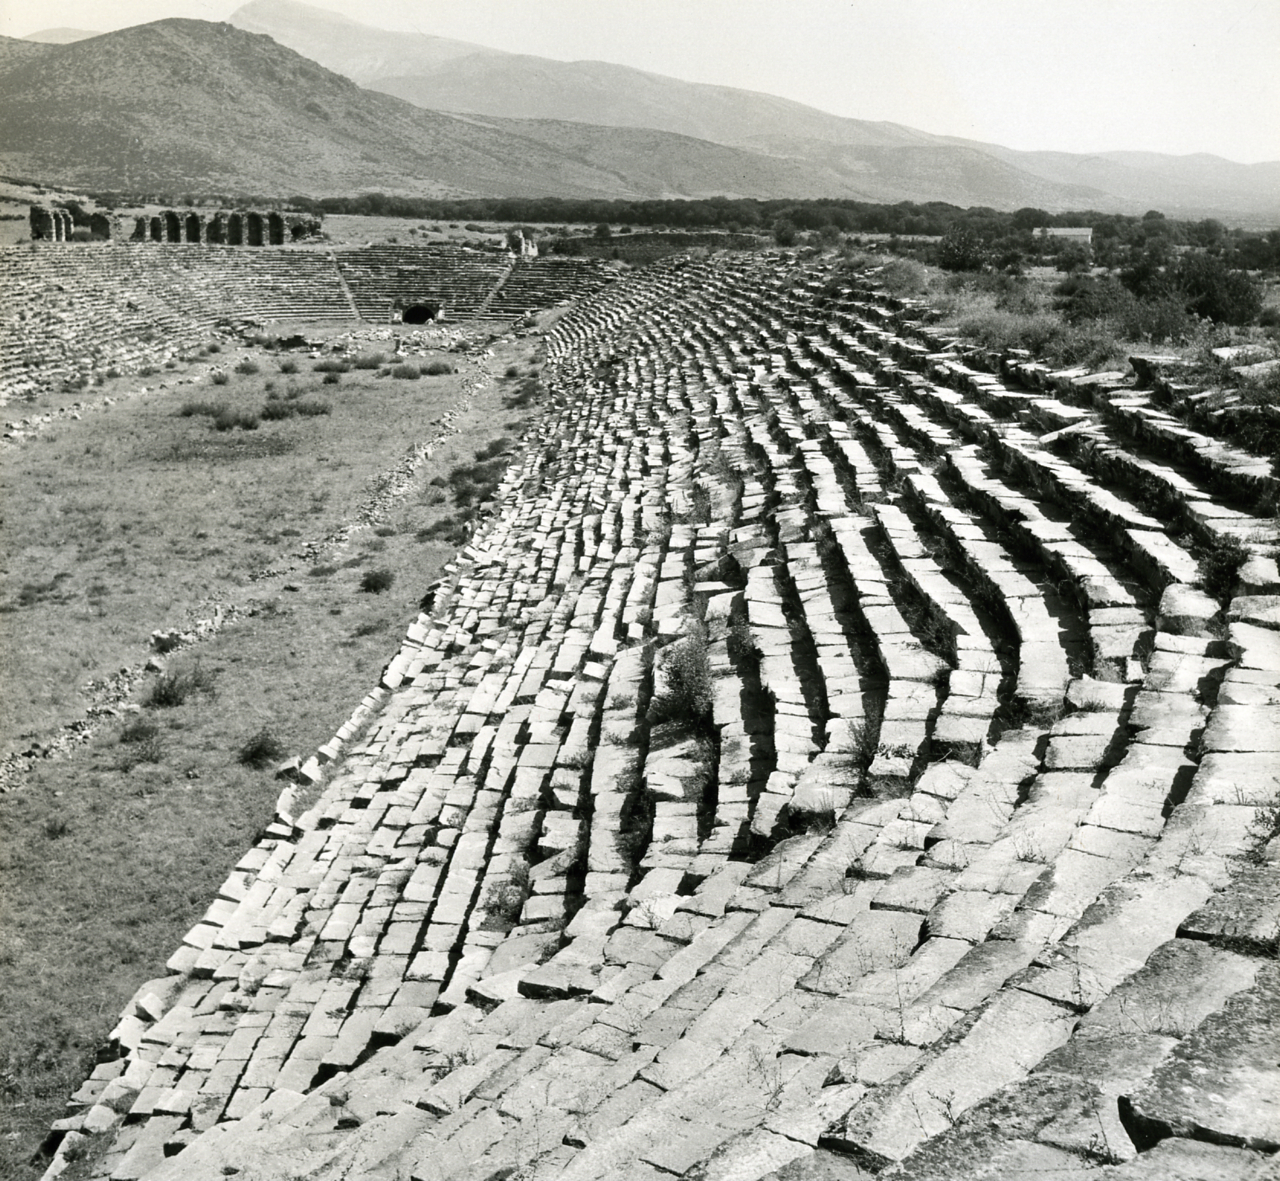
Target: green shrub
[[262, 750], [172, 689], [437, 368], [369, 361], [194, 409], [493, 449], [141, 729], [288, 365], [961, 250], [227, 419], [331, 366], [1216, 291], [686, 669], [374, 582], [1219, 568], [219, 378], [311, 409], [247, 368], [331, 379], [406, 372]]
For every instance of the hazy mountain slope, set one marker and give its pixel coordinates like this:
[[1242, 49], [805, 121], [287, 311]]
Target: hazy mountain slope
[[359, 51], [61, 36], [855, 155], [1180, 186], [181, 104], [457, 76], [520, 86]]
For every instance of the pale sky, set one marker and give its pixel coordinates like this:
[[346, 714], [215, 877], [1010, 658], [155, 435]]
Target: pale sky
[[1175, 76]]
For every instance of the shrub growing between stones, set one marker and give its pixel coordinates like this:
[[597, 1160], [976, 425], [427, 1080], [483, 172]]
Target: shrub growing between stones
[[686, 698], [406, 372], [1219, 567]]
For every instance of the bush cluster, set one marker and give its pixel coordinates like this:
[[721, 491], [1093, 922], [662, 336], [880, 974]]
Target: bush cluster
[[172, 689]]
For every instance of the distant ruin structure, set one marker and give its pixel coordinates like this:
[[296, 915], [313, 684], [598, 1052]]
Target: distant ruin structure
[[51, 224], [181, 226]]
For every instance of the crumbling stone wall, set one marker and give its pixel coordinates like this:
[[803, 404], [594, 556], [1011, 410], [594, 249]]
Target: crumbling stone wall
[[179, 226], [50, 224]]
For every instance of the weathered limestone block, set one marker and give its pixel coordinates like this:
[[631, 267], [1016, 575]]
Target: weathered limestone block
[[1221, 1081], [1186, 611], [1011, 1036]]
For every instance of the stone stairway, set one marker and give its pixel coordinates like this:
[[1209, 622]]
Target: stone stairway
[[807, 770]]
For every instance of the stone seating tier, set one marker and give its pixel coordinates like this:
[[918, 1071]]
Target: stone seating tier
[[953, 872]]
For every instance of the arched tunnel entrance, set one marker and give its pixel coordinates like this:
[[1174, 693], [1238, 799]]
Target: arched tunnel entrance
[[421, 313]]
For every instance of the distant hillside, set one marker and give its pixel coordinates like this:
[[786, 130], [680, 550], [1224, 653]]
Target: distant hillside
[[188, 105], [873, 160], [60, 36], [15, 51]]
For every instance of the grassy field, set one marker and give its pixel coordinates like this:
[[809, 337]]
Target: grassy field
[[137, 518]]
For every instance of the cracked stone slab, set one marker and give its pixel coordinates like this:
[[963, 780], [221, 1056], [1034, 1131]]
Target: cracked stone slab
[[1222, 1081]]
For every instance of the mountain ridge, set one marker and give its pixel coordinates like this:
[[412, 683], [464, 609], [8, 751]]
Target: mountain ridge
[[479, 80], [190, 106]]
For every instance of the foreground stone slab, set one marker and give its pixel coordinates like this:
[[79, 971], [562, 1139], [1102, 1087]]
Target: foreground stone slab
[[1221, 1082]]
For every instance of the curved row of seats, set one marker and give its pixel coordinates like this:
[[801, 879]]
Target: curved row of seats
[[76, 311], [812, 762]]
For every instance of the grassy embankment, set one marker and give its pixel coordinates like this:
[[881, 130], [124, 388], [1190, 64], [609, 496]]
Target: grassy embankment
[[136, 518], [1036, 311]]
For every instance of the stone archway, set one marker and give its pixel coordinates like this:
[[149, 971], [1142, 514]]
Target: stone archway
[[254, 230], [172, 226], [157, 230], [235, 230], [275, 229], [216, 229], [192, 226], [426, 312]]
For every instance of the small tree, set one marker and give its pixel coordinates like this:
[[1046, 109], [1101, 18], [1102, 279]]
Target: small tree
[[961, 250], [784, 232], [1218, 292]]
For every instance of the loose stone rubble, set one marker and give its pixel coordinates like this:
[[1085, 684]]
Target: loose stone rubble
[[967, 875]]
